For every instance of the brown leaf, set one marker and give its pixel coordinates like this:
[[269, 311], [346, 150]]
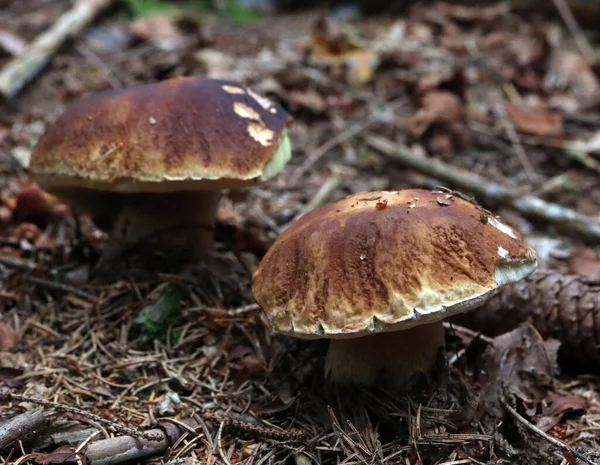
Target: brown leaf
[[8, 375], [584, 262], [557, 407], [160, 29], [519, 359], [334, 47], [569, 457], [8, 339], [560, 404], [474, 14], [308, 99], [535, 122], [570, 70], [34, 202], [64, 454], [443, 113], [6, 215]]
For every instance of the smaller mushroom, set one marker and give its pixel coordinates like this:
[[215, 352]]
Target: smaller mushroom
[[379, 281], [152, 160]]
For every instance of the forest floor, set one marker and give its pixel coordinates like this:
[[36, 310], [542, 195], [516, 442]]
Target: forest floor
[[115, 352]]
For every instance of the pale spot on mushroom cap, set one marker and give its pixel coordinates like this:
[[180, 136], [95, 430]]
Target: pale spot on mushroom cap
[[262, 101], [502, 227], [232, 89], [261, 133], [502, 252], [246, 112]]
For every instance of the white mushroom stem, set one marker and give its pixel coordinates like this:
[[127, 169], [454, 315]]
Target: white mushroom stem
[[179, 219], [385, 359]]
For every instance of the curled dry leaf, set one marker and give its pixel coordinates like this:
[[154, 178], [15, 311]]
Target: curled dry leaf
[[444, 116], [536, 122], [479, 14], [557, 407], [584, 261], [570, 70], [159, 29], [338, 51], [521, 360], [64, 454], [34, 202], [8, 339]]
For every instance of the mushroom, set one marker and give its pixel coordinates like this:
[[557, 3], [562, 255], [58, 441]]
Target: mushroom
[[377, 273], [153, 159]]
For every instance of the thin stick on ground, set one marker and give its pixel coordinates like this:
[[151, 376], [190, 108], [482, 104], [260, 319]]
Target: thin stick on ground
[[22, 69], [511, 132], [582, 43], [540, 433], [76, 411], [340, 138], [527, 205], [61, 287], [320, 197]]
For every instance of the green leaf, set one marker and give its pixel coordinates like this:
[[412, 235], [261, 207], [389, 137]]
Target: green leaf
[[155, 319], [149, 7]]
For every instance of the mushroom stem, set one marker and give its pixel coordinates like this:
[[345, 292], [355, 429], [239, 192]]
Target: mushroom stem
[[183, 220], [389, 359]]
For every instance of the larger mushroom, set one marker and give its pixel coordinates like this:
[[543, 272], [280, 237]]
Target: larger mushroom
[[377, 273], [152, 160]]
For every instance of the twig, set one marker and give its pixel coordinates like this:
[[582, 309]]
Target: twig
[[511, 132], [320, 196], [340, 138], [124, 448], [256, 430], [23, 68], [17, 263], [567, 15], [21, 427], [76, 411], [61, 287], [466, 331], [528, 205], [539, 432]]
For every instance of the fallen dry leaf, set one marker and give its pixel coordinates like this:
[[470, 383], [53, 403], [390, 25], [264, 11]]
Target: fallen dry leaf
[[570, 70], [473, 14], [8, 339], [444, 115], [557, 407], [333, 47], [584, 261], [521, 360], [536, 122], [33, 202], [160, 29], [8, 375], [64, 454]]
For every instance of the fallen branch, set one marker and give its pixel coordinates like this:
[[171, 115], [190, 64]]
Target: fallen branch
[[23, 68], [561, 445], [124, 448], [168, 434], [564, 307], [21, 428], [527, 205], [77, 411]]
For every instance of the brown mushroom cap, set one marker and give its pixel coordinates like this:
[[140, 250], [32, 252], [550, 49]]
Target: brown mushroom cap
[[193, 133], [386, 261]]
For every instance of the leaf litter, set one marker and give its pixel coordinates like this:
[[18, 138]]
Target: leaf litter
[[147, 339]]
